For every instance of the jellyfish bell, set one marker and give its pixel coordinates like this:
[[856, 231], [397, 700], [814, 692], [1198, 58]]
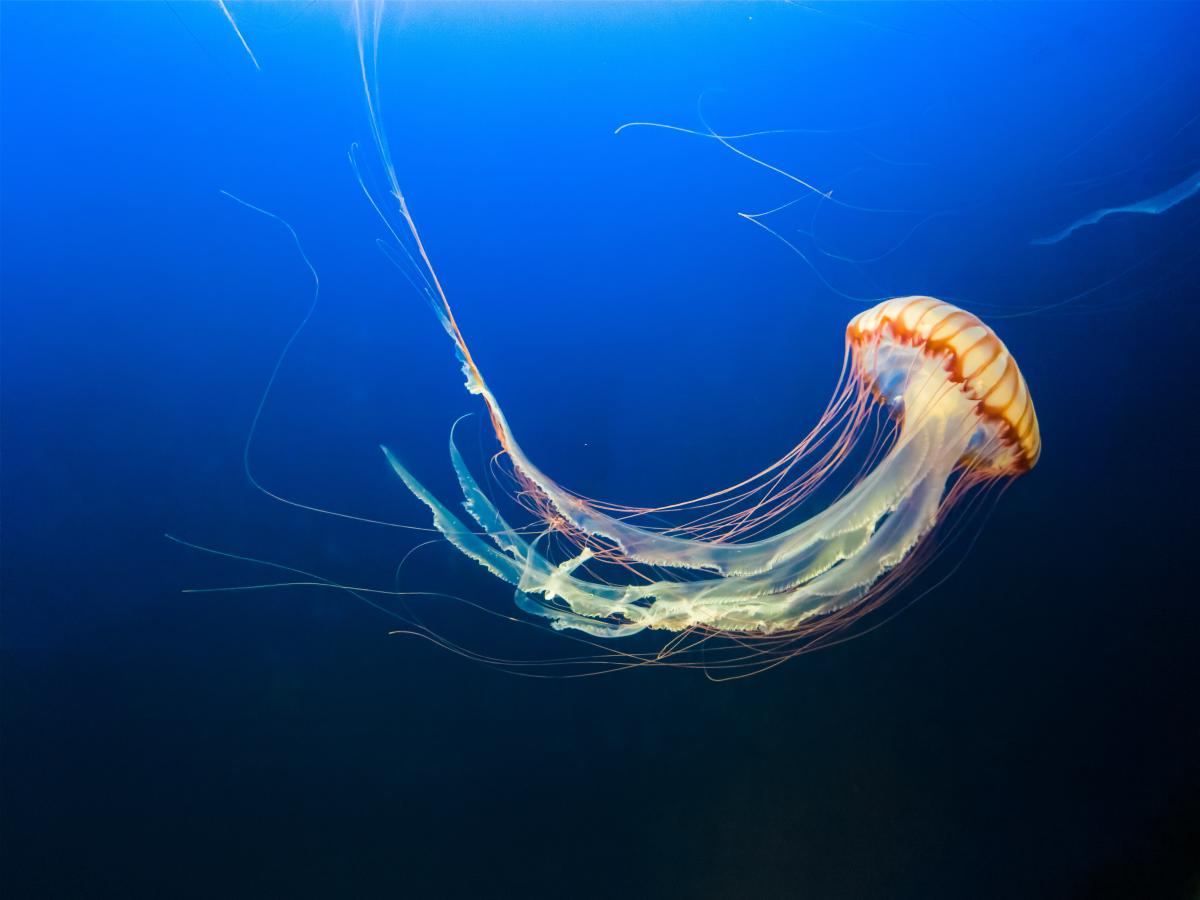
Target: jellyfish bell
[[961, 416], [923, 344]]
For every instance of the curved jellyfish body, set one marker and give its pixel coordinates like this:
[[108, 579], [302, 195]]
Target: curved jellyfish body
[[957, 411]]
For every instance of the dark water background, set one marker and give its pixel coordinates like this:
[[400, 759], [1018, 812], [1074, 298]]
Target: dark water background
[[1029, 729]]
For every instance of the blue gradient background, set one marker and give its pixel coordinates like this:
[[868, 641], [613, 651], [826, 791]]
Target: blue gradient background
[[1029, 729]]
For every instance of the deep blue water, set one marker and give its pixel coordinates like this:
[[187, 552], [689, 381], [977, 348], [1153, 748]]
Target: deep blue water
[[1028, 729]]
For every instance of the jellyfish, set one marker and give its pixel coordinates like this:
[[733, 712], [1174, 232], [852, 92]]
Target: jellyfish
[[956, 414], [929, 406]]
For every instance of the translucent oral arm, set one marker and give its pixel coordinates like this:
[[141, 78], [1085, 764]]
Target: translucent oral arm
[[841, 554]]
